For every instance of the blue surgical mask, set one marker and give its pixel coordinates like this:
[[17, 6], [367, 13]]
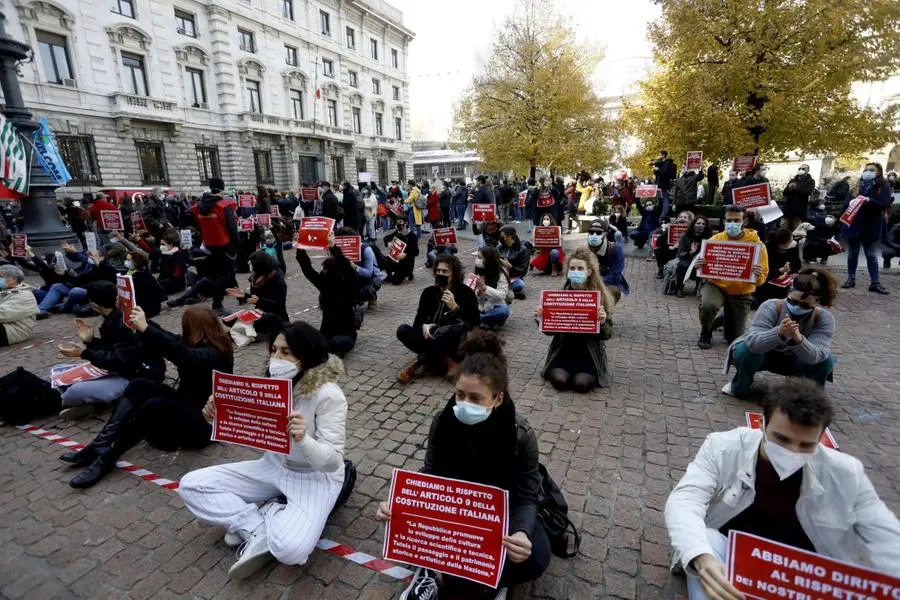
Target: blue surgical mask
[[468, 413], [733, 229], [867, 175], [577, 277], [798, 310], [594, 239], [2, 284], [129, 264]]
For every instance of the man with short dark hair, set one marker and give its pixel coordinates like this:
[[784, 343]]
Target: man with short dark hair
[[778, 483], [664, 172]]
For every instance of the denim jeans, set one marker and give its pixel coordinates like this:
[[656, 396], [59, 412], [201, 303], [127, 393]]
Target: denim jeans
[[459, 216], [105, 390], [749, 364], [719, 544], [432, 255], [518, 212], [871, 250], [59, 293], [385, 223], [496, 316], [370, 229], [517, 285], [665, 200]]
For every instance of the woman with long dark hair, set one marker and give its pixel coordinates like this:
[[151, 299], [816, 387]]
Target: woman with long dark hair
[[166, 417], [493, 292], [268, 292], [866, 229], [688, 249], [548, 261]]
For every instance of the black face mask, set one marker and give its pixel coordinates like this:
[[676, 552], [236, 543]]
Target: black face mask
[[442, 280], [480, 270]]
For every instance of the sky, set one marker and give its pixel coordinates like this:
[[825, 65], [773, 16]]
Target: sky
[[453, 39]]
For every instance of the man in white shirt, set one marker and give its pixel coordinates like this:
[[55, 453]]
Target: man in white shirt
[[780, 484]]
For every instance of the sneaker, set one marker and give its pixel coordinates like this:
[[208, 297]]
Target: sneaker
[[878, 289], [705, 341], [232, 540], [175, 302], [408, 371], [252, 555], [679, 292], [422, 587], [73, 413], [728, 389], [42, 315], [501, 594], [850, 283]]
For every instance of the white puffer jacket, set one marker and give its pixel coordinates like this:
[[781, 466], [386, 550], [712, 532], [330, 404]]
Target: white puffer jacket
[[838, 508], [18, 312]]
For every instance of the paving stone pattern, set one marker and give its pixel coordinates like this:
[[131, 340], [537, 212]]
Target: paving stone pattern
[[617, 453]]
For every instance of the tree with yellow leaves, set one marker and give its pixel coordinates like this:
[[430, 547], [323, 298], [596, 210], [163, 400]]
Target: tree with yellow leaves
[[766, 77], [534, 106]]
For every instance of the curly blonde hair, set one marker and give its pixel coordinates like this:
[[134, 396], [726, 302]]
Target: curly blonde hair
[[594, 282]]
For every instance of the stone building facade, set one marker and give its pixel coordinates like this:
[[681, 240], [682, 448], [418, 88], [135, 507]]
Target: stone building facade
[[171, 92]]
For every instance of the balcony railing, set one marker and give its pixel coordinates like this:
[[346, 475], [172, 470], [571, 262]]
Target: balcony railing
[[144, 107]]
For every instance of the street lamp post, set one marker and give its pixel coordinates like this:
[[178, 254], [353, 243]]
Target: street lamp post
[[39, 210]]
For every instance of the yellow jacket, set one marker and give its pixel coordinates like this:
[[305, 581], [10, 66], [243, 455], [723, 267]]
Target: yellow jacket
[[411, 201], [585, 194], [740, 288]]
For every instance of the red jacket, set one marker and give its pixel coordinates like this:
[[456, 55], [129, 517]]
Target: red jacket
[[214, 226], [99, 205], [541, 261], [433, 206]]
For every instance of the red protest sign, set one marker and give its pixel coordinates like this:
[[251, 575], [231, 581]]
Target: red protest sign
[[18, 241], [852, 210], [569, 311], [547, 237], [835, 245], [483, 213], [646, 191], [451, 526], [755, 420], [752, 196], [544, 199], [395, 206], [694, 160], [125, 302], [244, 316], [308, 193], [396, 248], [313, 233], [264, 220], [675, 231], [783, 281], [472, 280], [246, 201], [731, 261], [137, 222], [111, 220], [522, 196], [245, 224], [764, 569], [445, 237], [654, 241], [273, 211], [351, 246], [743, 163], [85, 372], [252, 411]]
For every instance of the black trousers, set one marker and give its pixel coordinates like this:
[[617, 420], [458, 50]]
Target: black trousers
[[4, 339], [397, 273], [165, 419], [431, 352], [219, 267]]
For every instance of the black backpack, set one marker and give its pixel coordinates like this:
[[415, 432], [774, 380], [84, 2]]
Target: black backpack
[[347, 487], [553, 515], [25, 396]]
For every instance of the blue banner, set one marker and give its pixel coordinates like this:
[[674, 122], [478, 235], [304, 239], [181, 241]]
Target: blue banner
[[47, 154]]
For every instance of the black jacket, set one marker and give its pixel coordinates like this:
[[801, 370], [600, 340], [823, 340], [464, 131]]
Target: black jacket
[[330, 205], [458, 451], [777, 259], [518, 256], [148, 294], [172, 267], [687, 249], [444, 198], [271, 295], [686, 188], [796, 195], [195, 365], [118, 350], [351, 208], [412, 247], [665, 172], [337, 292], [433, 310], [621, 224], [507, 194]]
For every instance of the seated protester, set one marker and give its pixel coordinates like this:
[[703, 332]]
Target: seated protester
[[784, 257], [297, 491], [268, 293], [493, 292], [782, 485], [148, 293], [488, 234], [401, 270], [650, 215], [664, 252], [753, 221], [478, 421], [18, 307], [548, 261], [790, 336], [579, 359], [735, 296], [688, 249], [515, 256], [447, 311], [167, 418], [618, 224], [75, 277], [116, 350], [173, 263], [610, 259], [816, 246], [432, 251], [271, 246], [337, 285], [368, 271]]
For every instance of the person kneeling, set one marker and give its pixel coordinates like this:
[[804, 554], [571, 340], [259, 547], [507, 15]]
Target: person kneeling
[[478, 421], [493, 291], [310, 478], [790, 337], [780, 484]]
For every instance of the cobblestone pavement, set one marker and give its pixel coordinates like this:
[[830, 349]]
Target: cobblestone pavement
[[617, 452]]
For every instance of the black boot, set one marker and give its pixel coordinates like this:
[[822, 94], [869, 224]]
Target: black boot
[[81, 458], [103, 443], [127, 438], [850, 283], [705, 341], [659, 273]]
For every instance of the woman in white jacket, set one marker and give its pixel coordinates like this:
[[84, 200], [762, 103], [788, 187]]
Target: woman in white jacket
[[310, 478], [18, 308], [492, 289]]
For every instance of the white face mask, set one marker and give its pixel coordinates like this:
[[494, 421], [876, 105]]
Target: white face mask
[[786, 462], [282, 369]]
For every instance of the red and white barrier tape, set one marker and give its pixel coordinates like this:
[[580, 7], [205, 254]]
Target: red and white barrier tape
[[361, 558]]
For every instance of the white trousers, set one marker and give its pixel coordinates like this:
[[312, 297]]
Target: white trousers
[[227, 495], [719, 545]]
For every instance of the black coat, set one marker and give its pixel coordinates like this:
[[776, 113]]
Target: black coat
[[271, 295], [148, 294], [777, 259], [665, 172], [796, 195], [119, 350], [330, 205], [172, 268], [351, 209], [432, 309], [518, 256], [337, 292], [412, 248]]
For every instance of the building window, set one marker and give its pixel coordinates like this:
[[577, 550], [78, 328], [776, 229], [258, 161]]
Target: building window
[[254, 100], [337, 168], [396, 93], [401, 171], [382, 171], [357, 120], [185, 23], [290, 55], [373, 44], [55, 57], [379, 124], [297, 104], [332, 113], [287, 9], [262, 163], [351, 38], [246, 41], [376, 87], [457, 170], [196, 89], [325, 20], [327, 67], [420, 172], [354, 79], [153, 163], [361, 164], [80, 156], [398, 128], [395, 58], [208, 163], [134, 74], [123, 7]]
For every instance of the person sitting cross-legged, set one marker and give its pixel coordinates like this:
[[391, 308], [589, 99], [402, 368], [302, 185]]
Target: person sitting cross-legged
[[790, 336]]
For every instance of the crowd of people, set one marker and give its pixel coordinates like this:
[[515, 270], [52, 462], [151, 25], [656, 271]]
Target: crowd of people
[[277, 506]]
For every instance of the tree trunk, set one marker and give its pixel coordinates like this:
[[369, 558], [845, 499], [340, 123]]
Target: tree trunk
[[532, 171]]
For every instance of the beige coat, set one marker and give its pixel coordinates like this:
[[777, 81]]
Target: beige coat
[[18, 312]]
